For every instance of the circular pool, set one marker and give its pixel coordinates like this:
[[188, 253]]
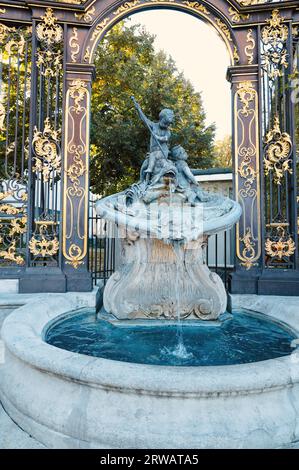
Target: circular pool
[[69, 400], [238, 339]]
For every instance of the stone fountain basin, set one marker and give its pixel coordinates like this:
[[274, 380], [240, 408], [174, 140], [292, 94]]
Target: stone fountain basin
[[68, 400], [209, 218]]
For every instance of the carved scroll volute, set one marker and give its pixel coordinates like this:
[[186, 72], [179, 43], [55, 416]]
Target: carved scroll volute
[[246, 163], [76, 186]]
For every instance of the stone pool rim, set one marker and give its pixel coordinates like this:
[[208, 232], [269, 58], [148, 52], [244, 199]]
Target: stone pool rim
[[27, 353], [24, 326]]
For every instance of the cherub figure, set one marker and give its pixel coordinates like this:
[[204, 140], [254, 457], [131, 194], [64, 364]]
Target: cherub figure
[[186, 180], [160, 136]]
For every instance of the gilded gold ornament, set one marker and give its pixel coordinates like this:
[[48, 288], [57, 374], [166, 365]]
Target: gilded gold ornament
[[75, 256], [278, 150], [274, 37], [11, 255], [246, 94], [236, 55], [198, 7], [236, 16], [250, 47], [49, 31], [86, 16], [99, 28], [46, 149], [126, 6], [74, 45], [44, 247], [49, 62], [78, 91], [282, 246], [224, 28], [248, 252]]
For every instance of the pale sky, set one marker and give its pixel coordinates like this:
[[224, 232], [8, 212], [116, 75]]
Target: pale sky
[[200, 53]]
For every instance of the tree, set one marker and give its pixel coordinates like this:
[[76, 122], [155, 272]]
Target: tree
[[223, 153], [127, 64]]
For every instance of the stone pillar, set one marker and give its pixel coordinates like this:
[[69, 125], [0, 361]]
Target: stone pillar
[[75, 197], [246, 163]]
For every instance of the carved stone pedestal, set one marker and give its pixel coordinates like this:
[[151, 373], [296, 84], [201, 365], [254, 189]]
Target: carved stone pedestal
[[159, 280]]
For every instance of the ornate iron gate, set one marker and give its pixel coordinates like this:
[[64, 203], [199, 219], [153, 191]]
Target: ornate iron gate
[[46, 72]]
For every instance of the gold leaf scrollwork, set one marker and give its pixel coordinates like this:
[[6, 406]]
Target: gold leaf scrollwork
[[236, 55], [78, 91], [4, 32], [14, 39], [74, 45], [224, 28], [76, 170], [99, 28], [75, 255], [46, 149], [44, 244], [86, 16], [275, 32], [49, 31], [49, 62], [247, 171], [18, 226], [250, 47], [10, 254], [274, 37], [50, 35], [126, 6], [13, 221], [278, 149], [197, 6], [249, 251], [87, 55], [282, 245], [236, 16], [246, 94]]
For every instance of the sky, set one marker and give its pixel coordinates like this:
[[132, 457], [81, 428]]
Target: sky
[[200, 53]]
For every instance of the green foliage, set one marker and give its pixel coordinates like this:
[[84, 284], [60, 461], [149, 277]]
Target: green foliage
[[223, 153], [127, 64]]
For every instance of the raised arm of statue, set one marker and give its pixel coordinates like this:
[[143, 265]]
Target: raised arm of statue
[[142, 116]]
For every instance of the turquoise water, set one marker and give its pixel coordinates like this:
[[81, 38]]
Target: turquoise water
[[242, 339]]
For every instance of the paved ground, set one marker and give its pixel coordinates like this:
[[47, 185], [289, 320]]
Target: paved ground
[[12, 437]]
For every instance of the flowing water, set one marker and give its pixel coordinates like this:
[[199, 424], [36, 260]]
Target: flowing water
[[180, 350], [244, 338]]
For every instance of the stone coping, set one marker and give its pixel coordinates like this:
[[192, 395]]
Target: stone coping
[[24, 329]]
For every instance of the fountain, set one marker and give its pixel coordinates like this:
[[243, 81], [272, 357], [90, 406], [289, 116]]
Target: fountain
[[162, 365], [164, 223]]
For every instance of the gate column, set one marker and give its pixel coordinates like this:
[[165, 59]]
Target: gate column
[[247, 187], [75, 194]]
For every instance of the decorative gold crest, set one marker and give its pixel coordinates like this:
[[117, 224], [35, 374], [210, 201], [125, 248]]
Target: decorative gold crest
[[49, 31], [282, 246]]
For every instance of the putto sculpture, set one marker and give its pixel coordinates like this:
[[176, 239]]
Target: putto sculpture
[[164, 222]]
